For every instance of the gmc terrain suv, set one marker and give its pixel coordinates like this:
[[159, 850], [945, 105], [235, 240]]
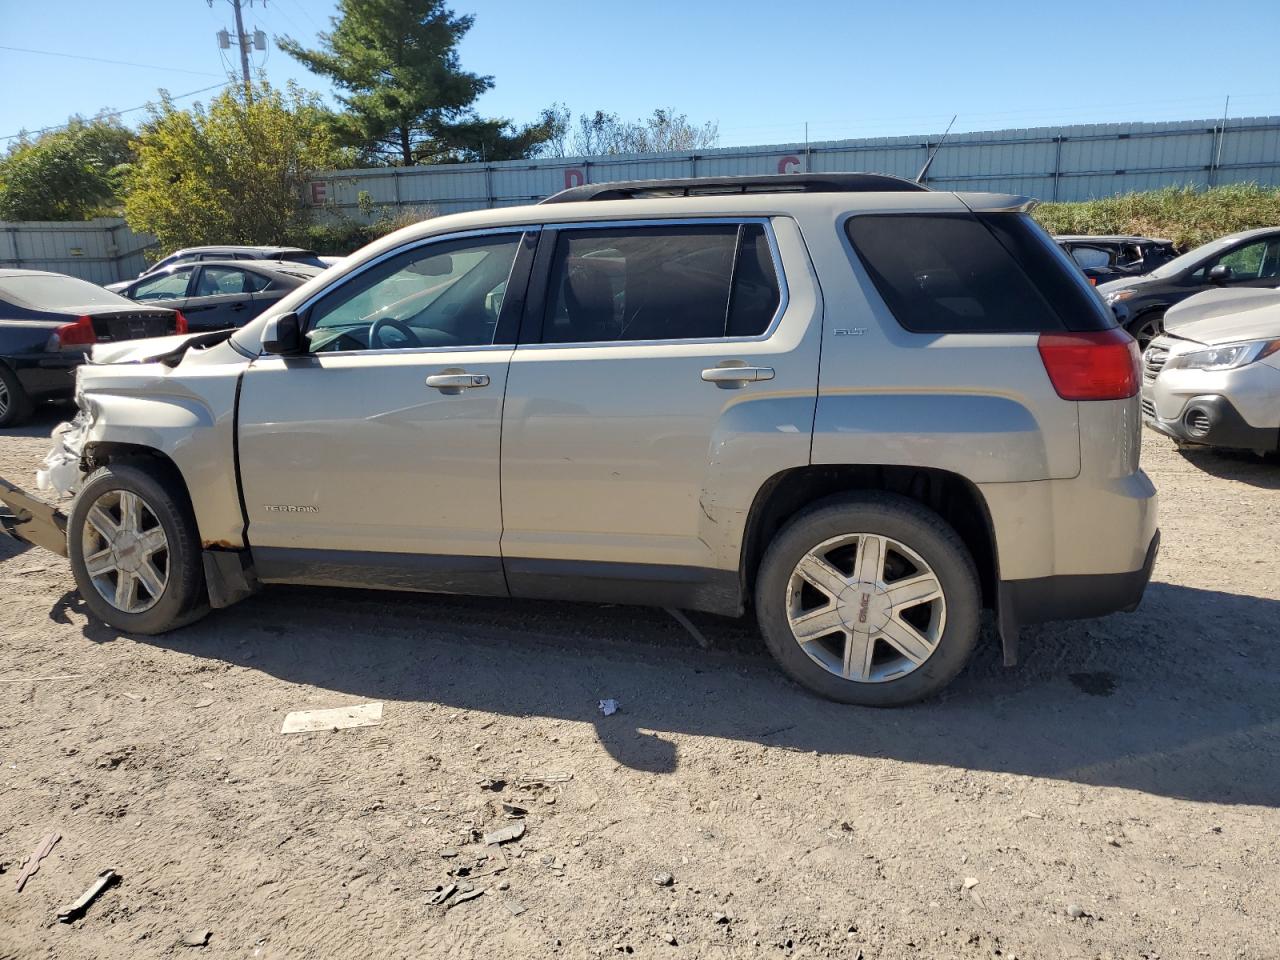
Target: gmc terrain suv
[[862, 408]]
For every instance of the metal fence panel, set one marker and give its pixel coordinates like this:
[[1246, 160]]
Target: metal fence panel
[[101, 251], [1052, 163]]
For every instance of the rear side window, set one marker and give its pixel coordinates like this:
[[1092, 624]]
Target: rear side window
[[660, 283], [961, 273]]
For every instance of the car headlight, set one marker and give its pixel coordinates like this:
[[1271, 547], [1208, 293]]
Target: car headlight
[[1119, 296], [1227, 357]]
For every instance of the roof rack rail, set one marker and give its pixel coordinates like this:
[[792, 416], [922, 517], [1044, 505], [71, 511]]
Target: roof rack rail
[[709, 186]]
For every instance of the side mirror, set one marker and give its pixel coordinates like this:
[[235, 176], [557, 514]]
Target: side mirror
[[1220, 274], [283, 335]]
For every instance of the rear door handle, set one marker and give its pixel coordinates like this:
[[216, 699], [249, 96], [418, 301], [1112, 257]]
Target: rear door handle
[[730, 375], [457, 381]]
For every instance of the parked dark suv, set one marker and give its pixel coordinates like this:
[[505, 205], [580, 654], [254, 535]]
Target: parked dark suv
[[1250, 258], [1104, 259]]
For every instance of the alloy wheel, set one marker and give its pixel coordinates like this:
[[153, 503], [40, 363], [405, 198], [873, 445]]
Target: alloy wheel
[[4, 398], [126, 552], [865, 607]]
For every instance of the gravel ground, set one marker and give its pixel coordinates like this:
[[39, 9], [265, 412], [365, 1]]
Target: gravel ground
[[1127, 772]]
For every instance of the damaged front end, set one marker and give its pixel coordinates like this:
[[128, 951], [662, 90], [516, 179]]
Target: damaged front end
[[32, 520]]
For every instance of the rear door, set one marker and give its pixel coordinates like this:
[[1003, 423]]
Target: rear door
[[220, 298], [665, 371]]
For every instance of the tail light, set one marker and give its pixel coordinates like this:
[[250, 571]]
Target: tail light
[[1094, 365], [78, 334], [180, 323]]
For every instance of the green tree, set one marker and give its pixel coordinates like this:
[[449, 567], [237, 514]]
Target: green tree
[[232, 173], [407, 98], [72, 173]]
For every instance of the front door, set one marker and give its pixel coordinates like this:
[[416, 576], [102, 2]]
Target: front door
[[221, 298], [674, 371], [373, 460], [1255, 263]]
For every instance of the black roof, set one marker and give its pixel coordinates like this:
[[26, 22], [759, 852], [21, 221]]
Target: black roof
[[707, 186]]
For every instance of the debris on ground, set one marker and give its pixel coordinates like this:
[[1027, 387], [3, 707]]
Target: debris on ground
[[1075, 911], [513, 810], [75, 910], [496, 784], [505, 834], [464, 897], [679, 617], [31, 865], [970, 882], [670, 938], [337, 718], [196, 938], [609, 707], [441, 894], [514, 907], [664, 879]]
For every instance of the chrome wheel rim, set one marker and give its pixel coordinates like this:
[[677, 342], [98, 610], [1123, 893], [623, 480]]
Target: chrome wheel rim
[[866, 608], [126, 553], [4, 398]]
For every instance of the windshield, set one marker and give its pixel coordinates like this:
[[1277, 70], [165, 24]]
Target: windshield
[[47, 291], [1190, 258]]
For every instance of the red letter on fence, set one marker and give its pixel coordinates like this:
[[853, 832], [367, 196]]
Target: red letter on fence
[[573, 178], [786, 162]]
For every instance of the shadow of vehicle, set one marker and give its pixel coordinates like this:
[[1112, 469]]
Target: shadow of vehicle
[[43, 419], [1237, 465], [1178, 699]]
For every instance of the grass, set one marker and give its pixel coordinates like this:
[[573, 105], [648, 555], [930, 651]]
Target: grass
[[1188, 216]]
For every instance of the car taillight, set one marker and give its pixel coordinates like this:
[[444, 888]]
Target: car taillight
[[179, 324], [76, 334], [1097, 365]]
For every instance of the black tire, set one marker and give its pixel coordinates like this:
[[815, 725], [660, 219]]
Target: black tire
[[184, 598], [1145, 327], [15, 405], [915, 527]]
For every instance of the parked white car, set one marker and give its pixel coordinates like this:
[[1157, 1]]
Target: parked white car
[[1213, 376]]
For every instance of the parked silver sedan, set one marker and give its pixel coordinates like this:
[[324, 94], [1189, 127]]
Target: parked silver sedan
[[1213, 376]]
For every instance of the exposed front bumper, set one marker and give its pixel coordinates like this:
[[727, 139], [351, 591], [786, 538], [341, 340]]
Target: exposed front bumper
[[32, 521], [1213, 421]]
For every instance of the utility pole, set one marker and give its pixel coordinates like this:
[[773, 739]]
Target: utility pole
[[244, 41], [244, 46]]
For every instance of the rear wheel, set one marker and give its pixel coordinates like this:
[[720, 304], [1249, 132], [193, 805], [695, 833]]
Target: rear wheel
[[15, 405], [134, 550], [1146, 327], [869, 599]]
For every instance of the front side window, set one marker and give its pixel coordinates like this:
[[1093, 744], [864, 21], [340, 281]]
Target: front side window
[[965, 273], [170, 286], [1091, 257], [660, 283], [1254, 261], [444, 294]]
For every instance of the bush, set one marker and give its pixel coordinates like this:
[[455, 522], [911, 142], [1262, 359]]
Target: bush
[[346, 235], [1189, 216]]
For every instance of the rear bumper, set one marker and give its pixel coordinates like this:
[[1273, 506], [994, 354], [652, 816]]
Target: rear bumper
[[49, 375], [1077, 596], [32, 521]]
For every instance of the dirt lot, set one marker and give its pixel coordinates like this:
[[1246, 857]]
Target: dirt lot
[[1129, 769]]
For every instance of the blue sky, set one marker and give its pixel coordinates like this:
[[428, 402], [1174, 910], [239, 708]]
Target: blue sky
[[760, 69]]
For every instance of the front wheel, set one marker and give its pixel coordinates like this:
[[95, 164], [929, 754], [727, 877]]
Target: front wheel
[[869, 599], [1146, 328], [134, 550]]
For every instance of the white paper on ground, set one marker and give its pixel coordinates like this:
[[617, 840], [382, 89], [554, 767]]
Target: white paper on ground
[[338, 718]]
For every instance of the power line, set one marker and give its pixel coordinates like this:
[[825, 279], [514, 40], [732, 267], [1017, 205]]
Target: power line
[[118, 113], [118, 63]]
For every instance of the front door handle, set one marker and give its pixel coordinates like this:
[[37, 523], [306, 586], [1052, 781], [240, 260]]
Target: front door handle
[[457, 381], [735, 376]]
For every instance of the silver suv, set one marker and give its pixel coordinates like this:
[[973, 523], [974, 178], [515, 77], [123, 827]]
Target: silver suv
[[864, 409]]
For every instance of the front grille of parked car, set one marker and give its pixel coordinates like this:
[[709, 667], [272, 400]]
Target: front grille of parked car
[[1148, 408], [1153, 362]]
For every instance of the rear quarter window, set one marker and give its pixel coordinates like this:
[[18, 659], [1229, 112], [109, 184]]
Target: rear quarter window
[[966, 273]]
